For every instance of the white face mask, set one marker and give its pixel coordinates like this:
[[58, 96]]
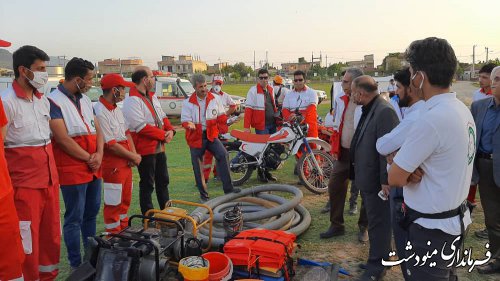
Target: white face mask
[[217, 88], [39, 78]]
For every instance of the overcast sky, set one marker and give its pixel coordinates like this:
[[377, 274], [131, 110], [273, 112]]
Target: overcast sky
[[231, 30]]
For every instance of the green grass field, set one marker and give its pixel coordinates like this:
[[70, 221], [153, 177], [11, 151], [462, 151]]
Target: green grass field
[[344, 250]]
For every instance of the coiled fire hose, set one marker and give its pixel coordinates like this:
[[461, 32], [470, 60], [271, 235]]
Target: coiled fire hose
[[259, 209]]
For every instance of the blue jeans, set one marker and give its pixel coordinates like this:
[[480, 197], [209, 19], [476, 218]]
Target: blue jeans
[[82, 202], [269, 129]]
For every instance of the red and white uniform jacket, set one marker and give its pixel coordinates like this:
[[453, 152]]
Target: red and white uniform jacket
[[81, 128], [215, 117], [5, 182], [28, 148], [339, 109], [146, 121], [306, 102], [114, 131], [227, 102], [255, 114]]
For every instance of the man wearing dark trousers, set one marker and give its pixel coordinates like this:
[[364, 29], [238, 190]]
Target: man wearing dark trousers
[[261, 113], [202, 115], [343, 131], [434, 164], [486, 113], [150, 130], [388, 146], [368, 169]]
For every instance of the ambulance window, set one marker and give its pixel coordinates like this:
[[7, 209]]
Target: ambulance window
[[169, 90]]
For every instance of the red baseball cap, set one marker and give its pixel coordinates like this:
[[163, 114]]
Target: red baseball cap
[[114, 80], [4, 43]]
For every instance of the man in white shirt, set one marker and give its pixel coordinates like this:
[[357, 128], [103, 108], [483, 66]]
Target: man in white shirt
[[440, 149], [389, 144]]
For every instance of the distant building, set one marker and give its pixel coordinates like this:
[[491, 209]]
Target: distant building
[[367, 64], [302, 64], [185, 65], [393, 62], [216, 68], [124, 67]]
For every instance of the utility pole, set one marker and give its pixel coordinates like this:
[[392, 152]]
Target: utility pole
[[473, 60], [486, 48], [267, 62], [326, 60], [255, 79]]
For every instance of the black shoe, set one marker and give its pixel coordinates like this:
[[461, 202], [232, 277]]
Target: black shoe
[[370, 276], [326, 209], [261, 177], [483, 234], [204, 200], [353, 209], [332, 232], [490, 268], [236, 190], [363, 235], [269, 176]]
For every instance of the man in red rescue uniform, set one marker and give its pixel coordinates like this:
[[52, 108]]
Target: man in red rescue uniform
[[228, 102], [119, 153], [78, 150], [305, 100], [261, 113], [202, 114], [150, 129], [11, 255], [28, 151]]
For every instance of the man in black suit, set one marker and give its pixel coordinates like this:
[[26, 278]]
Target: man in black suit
[[368, 170], [486, 172]]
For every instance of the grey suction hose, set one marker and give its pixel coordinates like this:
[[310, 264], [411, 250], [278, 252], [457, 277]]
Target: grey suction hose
[[280, 213]]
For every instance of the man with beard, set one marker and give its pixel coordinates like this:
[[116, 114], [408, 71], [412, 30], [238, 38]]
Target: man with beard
[[78, 151], [150, 130], [391, 142], [440, 148], [369, 172], [344, 125], [202, 115]]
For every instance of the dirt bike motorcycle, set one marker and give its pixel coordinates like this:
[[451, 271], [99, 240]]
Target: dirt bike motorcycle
[[248, 152]]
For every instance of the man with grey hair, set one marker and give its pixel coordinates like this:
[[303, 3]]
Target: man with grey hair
[[486, 114], [368, 170], [202, 114], [344, 126]]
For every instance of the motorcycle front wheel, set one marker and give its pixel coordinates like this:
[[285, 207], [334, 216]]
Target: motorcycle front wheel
[[309, 173], [239, 168]]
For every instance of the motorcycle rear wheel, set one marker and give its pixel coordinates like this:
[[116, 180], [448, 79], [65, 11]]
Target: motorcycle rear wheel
[[309, 174], [240, 174]]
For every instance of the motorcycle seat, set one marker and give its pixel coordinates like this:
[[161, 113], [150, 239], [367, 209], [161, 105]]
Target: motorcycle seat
[[249, 137]]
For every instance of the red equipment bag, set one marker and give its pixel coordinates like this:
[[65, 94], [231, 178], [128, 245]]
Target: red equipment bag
[[263, 249]]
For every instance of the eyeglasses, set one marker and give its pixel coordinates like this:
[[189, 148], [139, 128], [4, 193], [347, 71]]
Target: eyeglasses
[[298, 80], [263, 77]]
